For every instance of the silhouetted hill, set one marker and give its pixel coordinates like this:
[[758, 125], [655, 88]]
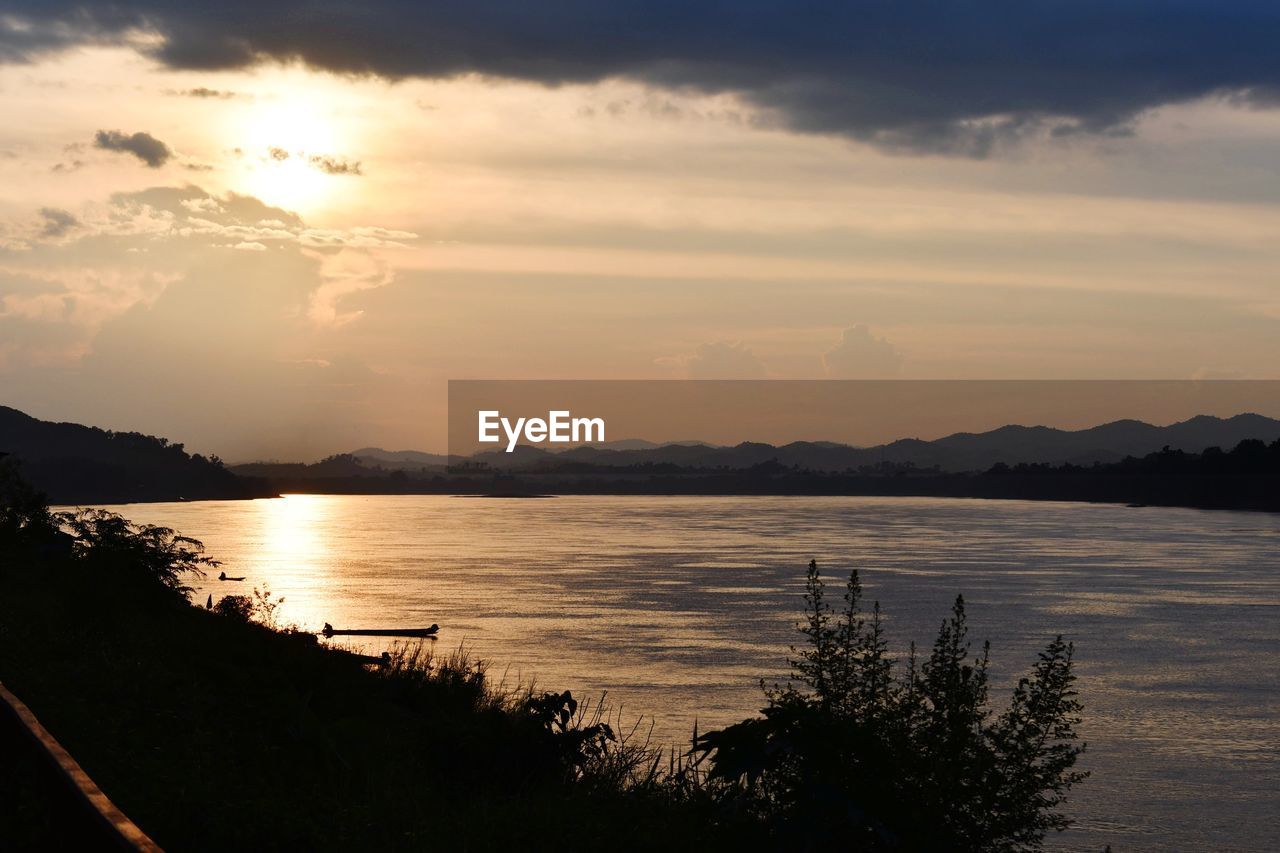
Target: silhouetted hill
[[341, 465], [1011, 445], [373, 456], [86, 465], [959, 452]]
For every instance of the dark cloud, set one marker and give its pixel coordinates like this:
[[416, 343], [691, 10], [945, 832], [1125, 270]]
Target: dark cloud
[[57, 222], [934, 75], [335, 165], [144, 146]]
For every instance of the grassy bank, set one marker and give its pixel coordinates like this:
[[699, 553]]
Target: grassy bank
[[214, 733]]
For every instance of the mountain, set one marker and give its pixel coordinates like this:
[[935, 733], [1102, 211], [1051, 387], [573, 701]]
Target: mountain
[[86, 465], [375, 456], [642, 444], [1011, 445]]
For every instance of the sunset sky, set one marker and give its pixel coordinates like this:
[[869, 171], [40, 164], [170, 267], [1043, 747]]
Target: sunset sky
[[277, 230]]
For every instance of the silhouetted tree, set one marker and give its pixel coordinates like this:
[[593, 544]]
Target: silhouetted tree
[[24, 510], [856, 757], [106, 541]]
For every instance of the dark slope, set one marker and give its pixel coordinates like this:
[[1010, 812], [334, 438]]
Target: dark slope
[[86, 465]]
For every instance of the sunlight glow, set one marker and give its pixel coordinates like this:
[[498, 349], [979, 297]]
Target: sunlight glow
[[277, 139]]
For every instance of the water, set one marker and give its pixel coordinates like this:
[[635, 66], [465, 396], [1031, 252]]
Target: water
[[676, 607]]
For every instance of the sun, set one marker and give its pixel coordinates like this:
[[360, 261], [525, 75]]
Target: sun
[[279, 136]]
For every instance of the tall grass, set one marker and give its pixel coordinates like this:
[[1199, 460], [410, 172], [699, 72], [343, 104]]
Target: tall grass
[[624, 758]]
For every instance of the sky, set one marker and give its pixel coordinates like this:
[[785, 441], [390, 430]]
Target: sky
[[275, 231]]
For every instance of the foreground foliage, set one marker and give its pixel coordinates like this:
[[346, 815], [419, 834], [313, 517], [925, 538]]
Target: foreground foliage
[[861, 754]]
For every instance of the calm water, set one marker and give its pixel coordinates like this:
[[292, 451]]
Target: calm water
[[677, 606]]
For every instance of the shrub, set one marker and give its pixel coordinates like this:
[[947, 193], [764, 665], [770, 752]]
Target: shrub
[[239, 607], [580, 743], [865, 757]]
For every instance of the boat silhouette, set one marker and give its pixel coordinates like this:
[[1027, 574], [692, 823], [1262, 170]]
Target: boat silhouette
[[330, 631]]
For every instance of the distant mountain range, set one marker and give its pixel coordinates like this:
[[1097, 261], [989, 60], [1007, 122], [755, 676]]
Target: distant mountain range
[[962, 451], [408, 460], [79, 464], [1205, 462]]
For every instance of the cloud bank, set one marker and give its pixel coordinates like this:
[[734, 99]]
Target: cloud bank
[[915, 75]]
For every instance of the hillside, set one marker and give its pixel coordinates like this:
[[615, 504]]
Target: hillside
[[75, 464]]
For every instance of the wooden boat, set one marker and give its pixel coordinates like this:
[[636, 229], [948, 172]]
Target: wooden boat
[[330, 631], [222, 576]]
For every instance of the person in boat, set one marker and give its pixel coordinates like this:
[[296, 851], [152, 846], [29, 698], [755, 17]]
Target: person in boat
[[222, 576]]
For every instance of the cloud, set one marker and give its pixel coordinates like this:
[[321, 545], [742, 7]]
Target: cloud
[[719, 360], [57, 222], [335, 165], [325, 163], [914, 75], [231, 221], [861, 355], [343, 275], [329, 164], [204, 92], [221, 298], [176, 226], [104, 259], [144, 146]]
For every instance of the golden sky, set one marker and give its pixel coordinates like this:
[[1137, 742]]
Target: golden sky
[[279, 262]]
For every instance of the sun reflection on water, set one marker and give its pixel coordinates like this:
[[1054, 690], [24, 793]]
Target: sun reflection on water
[[293, 532]]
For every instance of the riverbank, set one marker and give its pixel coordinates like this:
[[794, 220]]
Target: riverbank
[[214, 733]]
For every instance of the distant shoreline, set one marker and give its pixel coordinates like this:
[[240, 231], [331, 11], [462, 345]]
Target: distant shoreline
[[710, 494]]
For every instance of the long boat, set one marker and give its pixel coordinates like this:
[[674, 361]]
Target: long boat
[[330, 631]]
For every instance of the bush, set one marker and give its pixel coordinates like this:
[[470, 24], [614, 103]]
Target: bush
[[238, 607], [144, 552], [863, 757]]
